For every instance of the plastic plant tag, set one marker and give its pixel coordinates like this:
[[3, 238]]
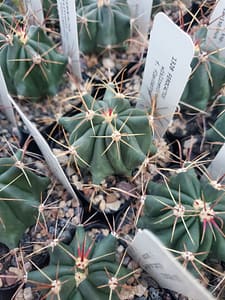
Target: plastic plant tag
[[216, 169], [34, 11], [5, 103], [141, 15], [153, 257], [216, 28], [47, 153], [166, 72], [68, 29]]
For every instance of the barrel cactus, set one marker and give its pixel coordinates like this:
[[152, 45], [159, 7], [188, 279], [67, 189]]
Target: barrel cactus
[[187, 214], [50, 10], [84, 269], [9, 18], [100, 23], [108, 136], [208, 73], [20, 192], [30, 63], [217, 131]]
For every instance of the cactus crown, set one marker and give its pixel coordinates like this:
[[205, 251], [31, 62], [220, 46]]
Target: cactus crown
[[30, 63], [187, 214], [84, 269], [110, 133]]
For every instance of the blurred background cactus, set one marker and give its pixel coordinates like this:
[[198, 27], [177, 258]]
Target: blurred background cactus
[[103, 25], [208, 73], [31, 65], [9, 18]]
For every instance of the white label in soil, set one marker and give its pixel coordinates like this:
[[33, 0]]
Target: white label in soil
[[68, 29], [167, 69], [141, 14], [5, 103], [153, 257], [34, 11], [46, 151], [217, 167], [216, 28]]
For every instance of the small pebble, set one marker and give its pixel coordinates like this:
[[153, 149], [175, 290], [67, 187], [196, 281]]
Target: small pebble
[[154, 294], [28, 294], [108, 63], [114, 206]]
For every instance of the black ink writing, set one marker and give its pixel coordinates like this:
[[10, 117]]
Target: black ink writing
[[218, 27], [169, 76]]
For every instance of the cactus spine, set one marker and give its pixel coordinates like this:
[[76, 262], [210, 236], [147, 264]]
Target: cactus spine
[[30, 63], [100, 23], [109, 136], [20, 192], [82, 270], [187, 213]]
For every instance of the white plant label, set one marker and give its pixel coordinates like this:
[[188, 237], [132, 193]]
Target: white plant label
[[5, 103], [153, 257], [216, 169], [167, 70], [216, 28], [46, 151], [68, 29], [141, 15], [34, 11]]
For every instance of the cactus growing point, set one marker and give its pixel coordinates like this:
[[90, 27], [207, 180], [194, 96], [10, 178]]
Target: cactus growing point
[[109, 136], [187, 214], [82, 270], [30, 63]]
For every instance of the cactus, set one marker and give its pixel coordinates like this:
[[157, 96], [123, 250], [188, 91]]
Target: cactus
[[8, 18], [217, 132], [31, 66], [20, 192], [187, 213], [50, 10], [108, 136], [208, 73], [84, 269], [100, 23]]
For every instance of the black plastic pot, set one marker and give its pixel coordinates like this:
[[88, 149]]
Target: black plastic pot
[[96, 216], [7, 293]]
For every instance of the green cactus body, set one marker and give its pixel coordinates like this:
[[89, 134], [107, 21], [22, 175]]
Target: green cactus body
[[108, 135], [20, 193], [208, 74], [50, 10], [9, 18], [31, 66], [187, 214], [217, 132], [100, 23], [82, 270]]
